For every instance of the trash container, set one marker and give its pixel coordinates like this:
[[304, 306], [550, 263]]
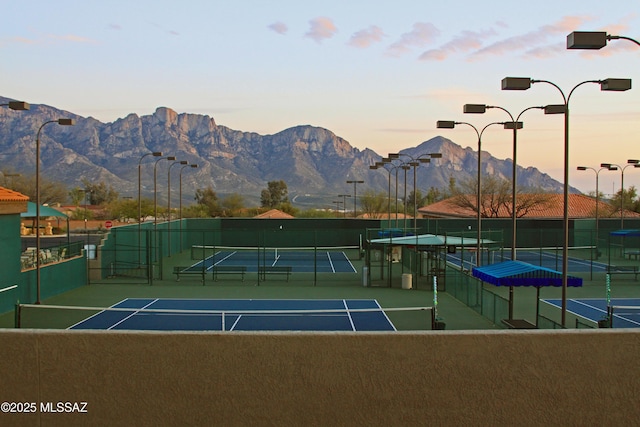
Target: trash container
[[365, 276], [90, 251], [407, 281]]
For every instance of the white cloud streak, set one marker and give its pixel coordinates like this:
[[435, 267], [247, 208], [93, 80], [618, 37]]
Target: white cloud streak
[[422, 34]]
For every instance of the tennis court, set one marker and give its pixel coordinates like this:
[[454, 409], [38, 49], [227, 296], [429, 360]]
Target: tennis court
[[237, 315], [301, 260], [625, 311], [579, 259]]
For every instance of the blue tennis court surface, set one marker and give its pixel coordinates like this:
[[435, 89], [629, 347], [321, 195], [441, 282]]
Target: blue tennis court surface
[[321, 261], [547, 258], [596, 309], [240, 315]]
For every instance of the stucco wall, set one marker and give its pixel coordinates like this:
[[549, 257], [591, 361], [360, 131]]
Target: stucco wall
[[440, 378]]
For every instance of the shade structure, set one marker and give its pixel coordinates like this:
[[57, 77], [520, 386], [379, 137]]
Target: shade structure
[[518, 273], [45, 211], [430, 240]]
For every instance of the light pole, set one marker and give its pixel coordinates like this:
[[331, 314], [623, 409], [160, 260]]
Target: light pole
[[524, 83], [612, 166], [180, 194], [447, 124], [154, 154], [61, 122], [344, 202], [180, 162], [155, 188], [382, 164], [337, 203], [155, 207], [414, 163], [355, 194], [597, 172], [592, 40]]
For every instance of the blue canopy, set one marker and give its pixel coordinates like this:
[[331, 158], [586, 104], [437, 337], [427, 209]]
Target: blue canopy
[[630, 233], [518, 273]]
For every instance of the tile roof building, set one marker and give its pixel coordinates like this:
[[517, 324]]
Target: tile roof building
[[12, 202], [552, 207]]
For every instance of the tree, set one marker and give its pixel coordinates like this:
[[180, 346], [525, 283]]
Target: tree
[[628, 199], [208, 198], [99, 193], [51, 192], [232, 204], [76, 195], [275, 194], [122, 209], [496, 198], [373, 204]]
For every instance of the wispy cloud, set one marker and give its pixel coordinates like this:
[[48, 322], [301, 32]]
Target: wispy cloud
[[321, 28], [529, 41], [278, 27], [365, 38], [465, 42], [45, 39], [422, 34], [116, 27]]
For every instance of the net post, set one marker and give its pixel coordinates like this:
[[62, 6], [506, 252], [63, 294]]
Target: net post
[[17, 314], [433, 318]]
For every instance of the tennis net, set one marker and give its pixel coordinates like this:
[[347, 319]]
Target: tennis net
[[40, 316], [545, 255], [201, 252], [624, 316]]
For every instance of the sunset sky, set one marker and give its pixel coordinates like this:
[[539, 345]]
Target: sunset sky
[[378, 74]]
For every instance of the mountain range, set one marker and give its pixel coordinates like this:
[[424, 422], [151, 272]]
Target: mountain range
[[314, 162]]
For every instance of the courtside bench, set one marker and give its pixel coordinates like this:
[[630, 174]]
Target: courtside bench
[[178, 271], [263, 270], [627, 269], [228, 269], [632, 253]]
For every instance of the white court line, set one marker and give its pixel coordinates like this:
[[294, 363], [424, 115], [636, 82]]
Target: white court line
[[131, 315], [353, 327]]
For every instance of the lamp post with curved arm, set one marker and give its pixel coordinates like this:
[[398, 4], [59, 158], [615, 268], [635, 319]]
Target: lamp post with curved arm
[[179, 162], [414, 163], [355, 194], [382, 164], [17, 105], [180, 198], [597, 172], [154, 154], [61, 122], [612, 166], [524, 83], [447, 124], [593, 39]]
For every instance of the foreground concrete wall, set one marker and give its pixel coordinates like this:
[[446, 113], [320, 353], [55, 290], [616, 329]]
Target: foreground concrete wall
[[440, 378]]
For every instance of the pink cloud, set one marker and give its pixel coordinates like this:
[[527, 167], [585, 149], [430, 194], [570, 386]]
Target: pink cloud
[[422, 34], [279, 27], [321, 28], [365, 38]]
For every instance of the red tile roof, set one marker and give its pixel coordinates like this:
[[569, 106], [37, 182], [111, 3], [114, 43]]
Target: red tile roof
[[580, 206], [7, 195], [274, 214]]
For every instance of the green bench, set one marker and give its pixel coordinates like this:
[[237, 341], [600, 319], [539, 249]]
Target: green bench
[[178, 271], [228, 269], [627, 269], [632, 253], [263, 270]]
